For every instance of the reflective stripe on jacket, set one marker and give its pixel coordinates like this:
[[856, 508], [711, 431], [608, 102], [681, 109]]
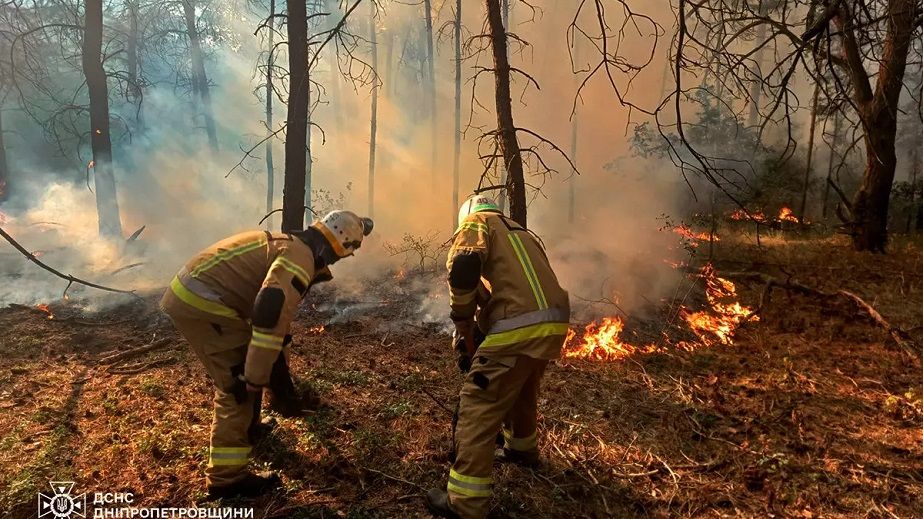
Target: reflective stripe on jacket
[[223, 281], [527, 311]]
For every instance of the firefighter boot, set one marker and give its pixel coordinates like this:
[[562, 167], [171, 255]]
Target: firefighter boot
[[251, 485], [437, 501], [528, 459]]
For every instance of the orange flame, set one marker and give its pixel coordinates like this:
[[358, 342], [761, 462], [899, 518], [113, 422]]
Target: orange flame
[[724, 317], [401, 274], [716, 325], [740, 214], [689, 234], [44, 308], [316, 330], [786, 215], [599, 342]]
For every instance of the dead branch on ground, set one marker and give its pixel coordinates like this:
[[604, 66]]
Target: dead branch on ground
[[901, 337], [70, 279]]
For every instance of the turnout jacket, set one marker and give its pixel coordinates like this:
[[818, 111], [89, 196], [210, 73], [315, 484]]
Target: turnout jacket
[[501, 267], [258, 277]]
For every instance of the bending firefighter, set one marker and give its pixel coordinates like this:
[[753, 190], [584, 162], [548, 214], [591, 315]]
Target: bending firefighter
[[234, 302], [498, 272]]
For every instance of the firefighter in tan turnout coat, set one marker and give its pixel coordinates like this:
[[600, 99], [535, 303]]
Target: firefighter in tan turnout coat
[[498, 273], [234, 302]]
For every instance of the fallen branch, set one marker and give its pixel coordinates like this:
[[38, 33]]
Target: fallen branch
[[900, 336], [70, 279], [438, 402], [394, 478], [139, 367], [127, 354]]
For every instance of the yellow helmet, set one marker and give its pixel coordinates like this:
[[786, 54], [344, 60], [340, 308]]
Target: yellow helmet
[[344, 230], [475, 204]]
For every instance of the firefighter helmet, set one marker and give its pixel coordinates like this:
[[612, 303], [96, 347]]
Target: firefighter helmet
[[475, 204], [344, 230]]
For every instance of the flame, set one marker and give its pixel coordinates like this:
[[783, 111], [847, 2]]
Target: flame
[[599, 342], [786, 215], [715, 325], [44, 308], [723, 318], [740, 214], [316, 330], [401, 274], [689, 234], [38, 253]]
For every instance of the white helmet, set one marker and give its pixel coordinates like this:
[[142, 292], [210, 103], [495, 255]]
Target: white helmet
[[475, 204], [344, 230]]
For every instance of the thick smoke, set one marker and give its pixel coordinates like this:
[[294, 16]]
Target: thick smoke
[[172, 183]]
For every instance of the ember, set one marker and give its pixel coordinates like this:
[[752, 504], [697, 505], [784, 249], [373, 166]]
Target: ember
[[316, 330], [44, 308]]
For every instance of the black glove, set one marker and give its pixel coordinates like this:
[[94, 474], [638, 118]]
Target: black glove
[[286, 400], [239, 386], [462, 359]]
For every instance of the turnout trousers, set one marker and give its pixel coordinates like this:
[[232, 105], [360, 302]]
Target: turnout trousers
[[221, 346], [500, 391]]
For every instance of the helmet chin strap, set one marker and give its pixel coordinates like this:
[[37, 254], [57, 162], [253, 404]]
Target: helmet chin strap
[[324, 255]]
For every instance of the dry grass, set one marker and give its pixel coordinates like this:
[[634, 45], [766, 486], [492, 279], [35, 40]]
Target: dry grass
[[812, 413]]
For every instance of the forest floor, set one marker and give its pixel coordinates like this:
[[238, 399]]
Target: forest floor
[[812, 412]]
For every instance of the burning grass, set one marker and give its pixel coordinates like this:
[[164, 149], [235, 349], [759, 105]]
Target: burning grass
[[809, 414]]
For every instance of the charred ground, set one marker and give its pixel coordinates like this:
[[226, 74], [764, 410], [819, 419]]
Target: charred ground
[[812, 412]]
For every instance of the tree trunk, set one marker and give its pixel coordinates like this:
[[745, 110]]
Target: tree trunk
[[914, 169], [107, 204], [505, 14], [572, 198], [833, 155], [373, 124], [131, 52], [431, 77], [807, 169], [456, 164], [297, 122], [509, 144], [4, 172], [270, 170], [878, 113], [199, 78]]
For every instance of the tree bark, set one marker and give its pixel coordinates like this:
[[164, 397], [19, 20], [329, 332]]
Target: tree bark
[[131, 53], [107, 204], [431, 78], [456, 163], [297, 122], [833, 155], [4, 171], [914, 169], [509, 143], [807, 168], [373, 120], [270, 170], [199, 77], [878, 113]]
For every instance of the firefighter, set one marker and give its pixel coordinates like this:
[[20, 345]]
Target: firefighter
[[524, 316], [234, 303]]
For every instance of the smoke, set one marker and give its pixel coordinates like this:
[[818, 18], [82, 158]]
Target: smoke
[[171, 182]]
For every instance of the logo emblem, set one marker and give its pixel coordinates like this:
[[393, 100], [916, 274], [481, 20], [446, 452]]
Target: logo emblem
[[60, 504]]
